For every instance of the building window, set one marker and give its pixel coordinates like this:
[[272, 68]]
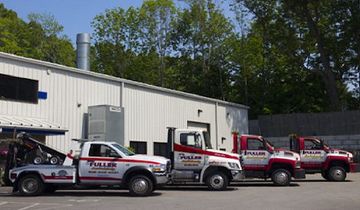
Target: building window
[[18, 89], [139, 147], [160, 149]]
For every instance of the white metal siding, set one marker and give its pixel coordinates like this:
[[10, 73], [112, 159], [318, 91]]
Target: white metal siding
[[149, 110], [65, 91], [235, 121]]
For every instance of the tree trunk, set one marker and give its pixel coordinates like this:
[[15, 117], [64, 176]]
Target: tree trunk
[[328, 75]]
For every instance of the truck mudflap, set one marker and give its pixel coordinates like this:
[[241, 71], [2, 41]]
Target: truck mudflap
[[237, 175], [354, 167], [299, 173]]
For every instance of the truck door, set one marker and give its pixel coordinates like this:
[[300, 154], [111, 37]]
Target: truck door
[[255, 156], [313, 155], [188, 151], [101, 166]]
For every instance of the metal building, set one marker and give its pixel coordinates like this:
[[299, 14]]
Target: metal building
[[48, 99]]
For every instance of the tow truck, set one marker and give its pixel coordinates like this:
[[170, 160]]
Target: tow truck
[[33, 168], [194, 161], [260, 159], [317, 157]]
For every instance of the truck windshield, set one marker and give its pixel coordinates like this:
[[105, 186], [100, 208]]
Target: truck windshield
[[207, 140], [123, 150]]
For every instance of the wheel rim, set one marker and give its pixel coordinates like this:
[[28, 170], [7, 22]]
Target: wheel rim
[[53, 160], [37, 160], [281, 178], [140, 186], [337, 174], [30, 185], [217, 181]]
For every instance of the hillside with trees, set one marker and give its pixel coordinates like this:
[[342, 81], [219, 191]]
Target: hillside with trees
[[274, 56]]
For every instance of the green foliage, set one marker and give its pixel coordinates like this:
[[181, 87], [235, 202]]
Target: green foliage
[[275, 56], [39, 39]]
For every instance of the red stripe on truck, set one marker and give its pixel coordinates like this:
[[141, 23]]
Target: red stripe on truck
[[99, 178], [181, 148], [118, 160], [58, 177]]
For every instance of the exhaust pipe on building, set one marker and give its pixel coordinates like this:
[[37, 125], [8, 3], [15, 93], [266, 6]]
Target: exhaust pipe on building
[[83, 51]]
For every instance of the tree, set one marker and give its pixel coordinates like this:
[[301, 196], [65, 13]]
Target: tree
[[32, 40]]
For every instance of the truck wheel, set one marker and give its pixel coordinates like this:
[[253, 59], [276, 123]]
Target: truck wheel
[[140, 185], [337, 174], [217, 181], [30, 185], [281, 177]]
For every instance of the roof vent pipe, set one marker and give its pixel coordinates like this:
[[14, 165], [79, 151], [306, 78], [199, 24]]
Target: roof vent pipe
[[83, 51]]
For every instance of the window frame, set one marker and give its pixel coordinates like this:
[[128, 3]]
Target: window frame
[[160, 144], [197, 136], [312, 141], [255, 139], [138, 143], [106, 147], [16, 84]]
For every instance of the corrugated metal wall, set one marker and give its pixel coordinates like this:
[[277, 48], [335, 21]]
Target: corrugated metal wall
[[69, 95], [148, 111]]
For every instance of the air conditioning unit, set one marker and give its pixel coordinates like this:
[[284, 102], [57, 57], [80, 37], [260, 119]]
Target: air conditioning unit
[[106, 123]]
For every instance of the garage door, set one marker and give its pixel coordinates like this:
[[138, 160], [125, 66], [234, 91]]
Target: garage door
[[199, 125]]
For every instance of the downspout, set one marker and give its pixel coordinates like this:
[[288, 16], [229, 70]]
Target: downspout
[[216, 125]]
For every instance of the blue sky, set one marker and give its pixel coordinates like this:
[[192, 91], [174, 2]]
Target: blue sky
[[74, 15]]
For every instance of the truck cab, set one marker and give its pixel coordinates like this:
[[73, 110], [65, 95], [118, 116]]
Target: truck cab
[[317, 157], [260, 159], [99, 164], [194, 161]]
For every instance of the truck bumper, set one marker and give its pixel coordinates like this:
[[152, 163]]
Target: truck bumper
[[161, 179], [237, 175], [354, 167], [299, 173]]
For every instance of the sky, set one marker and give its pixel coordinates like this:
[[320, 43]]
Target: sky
[[74, 15]]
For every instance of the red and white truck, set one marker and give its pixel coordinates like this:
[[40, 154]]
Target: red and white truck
[[261, 160], [34, 168], [317, 157], [194, 161]]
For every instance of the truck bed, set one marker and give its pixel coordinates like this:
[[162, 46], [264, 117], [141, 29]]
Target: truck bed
[[58, 174]]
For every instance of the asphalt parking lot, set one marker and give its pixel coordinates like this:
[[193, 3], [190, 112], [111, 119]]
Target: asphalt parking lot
[[313, 193]]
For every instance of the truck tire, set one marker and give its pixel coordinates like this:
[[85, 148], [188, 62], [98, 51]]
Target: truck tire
[[281, 177], [337, 174], [30, 185], [217, 181], [140, 185]]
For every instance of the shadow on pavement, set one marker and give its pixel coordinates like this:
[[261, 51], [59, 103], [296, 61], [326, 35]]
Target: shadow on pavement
[[80, 193], [191, 188], [261, 184], [321, 180]]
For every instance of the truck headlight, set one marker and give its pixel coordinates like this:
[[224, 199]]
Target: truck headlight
[[161, 168], [234, 165], [298, 164]]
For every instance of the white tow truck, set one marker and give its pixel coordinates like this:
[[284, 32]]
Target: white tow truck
[[194, 161], [99, 164]]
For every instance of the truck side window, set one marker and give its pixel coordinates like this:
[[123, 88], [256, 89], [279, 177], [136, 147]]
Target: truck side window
[[255, 144], [190, 140], [100, 150], [311, 144]]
